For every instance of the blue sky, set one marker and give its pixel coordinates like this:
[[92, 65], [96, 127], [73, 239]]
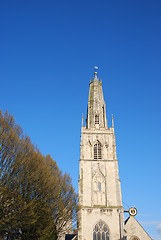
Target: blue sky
[[48, 50]]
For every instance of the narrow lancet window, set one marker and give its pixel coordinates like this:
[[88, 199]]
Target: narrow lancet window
[[99, 186], [96, 119], [97, 151]]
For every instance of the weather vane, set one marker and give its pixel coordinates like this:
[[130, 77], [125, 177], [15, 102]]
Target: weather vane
[[95, 70]]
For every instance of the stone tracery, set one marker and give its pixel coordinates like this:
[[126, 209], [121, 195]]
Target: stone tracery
[[101, 231]]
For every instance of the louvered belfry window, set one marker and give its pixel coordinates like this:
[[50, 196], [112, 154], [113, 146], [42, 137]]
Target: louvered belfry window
[[97, 151], [96, 119]]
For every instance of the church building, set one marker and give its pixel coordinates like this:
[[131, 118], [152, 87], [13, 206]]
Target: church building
[[101, 213]]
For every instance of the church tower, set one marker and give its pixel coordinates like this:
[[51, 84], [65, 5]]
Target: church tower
[[100, 214]]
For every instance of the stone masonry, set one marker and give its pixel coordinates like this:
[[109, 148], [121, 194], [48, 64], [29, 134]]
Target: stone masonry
[[101, 214]]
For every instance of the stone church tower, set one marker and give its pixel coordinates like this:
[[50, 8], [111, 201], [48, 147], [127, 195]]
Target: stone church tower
[[100, 201], [101, 214]]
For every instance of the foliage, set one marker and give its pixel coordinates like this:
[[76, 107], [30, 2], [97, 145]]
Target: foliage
[[37, 201]]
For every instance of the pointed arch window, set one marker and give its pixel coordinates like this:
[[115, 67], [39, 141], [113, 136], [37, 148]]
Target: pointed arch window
[[97, 151], [134, 238], [99, 186], [97, 119], [101, 231]]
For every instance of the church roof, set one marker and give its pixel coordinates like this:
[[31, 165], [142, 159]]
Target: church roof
[[131, 224], [71, 237]]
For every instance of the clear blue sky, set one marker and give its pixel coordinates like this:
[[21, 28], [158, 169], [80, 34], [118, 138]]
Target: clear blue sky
[[47, 53]]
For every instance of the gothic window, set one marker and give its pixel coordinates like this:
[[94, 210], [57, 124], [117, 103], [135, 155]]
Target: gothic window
[[96, 119], [97, 151], [99, 186], [99, 198], [101, 231], [134, 238]]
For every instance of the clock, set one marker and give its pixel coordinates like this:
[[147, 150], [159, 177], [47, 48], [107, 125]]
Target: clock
[[133, 211]]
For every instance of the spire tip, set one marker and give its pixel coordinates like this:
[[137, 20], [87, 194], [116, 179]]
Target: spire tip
[[95, 71], [112, 121]]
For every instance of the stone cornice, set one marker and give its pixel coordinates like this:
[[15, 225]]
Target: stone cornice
[[99, 131], [100, 160]]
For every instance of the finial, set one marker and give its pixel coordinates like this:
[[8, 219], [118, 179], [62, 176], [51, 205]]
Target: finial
[[95, 71], [82, 119], [112, 121]]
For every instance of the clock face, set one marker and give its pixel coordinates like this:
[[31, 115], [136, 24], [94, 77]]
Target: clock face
[[133, 211]]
